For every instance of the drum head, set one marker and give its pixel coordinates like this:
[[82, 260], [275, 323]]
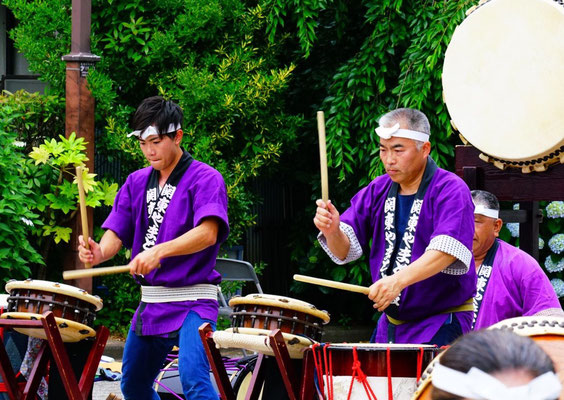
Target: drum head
[[70, 331], [55, 287], [503, 81], [281, 302]]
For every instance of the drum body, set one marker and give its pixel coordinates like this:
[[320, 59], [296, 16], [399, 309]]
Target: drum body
[[74, 309], [503, 84], [383, 364], [269, 312]]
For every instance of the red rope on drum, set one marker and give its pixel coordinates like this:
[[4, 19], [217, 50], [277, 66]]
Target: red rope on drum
[[389, 371], [419, 363], [318, 367], [361, 377], [328, 372]]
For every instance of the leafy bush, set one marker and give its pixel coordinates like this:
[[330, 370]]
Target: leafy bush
[[16, 217]]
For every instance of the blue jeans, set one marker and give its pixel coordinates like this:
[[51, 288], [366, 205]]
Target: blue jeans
[[143, 357]]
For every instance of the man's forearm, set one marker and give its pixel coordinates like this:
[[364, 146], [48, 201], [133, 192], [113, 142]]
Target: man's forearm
[[110, 244], [193, 241], [430, 263], [339, 244]]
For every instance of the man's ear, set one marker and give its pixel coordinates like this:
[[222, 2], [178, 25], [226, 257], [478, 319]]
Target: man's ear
[[427, 148], [178, 137], [497, 226]]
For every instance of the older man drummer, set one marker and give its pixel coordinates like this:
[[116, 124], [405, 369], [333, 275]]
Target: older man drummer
[[511, 283], [415, 224]]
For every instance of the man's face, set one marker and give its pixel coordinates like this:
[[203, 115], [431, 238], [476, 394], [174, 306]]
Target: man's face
[[485, 232], [160, 151], [402, 160]]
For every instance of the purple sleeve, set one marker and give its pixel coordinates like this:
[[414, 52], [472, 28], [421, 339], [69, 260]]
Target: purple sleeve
[[453, 220], [359, 215], [120, 218], [536, 291], [210, 200]]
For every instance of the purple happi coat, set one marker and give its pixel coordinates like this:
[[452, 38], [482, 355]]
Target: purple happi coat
[[517, 287], [201, 193], [446, 223]]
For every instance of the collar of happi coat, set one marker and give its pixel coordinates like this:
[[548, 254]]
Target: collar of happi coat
[[157, 201], [484, 275], [403, 255]]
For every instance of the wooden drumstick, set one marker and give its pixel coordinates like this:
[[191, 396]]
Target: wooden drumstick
[[323, 156], [83, 214], [86, 273], [332, 284]]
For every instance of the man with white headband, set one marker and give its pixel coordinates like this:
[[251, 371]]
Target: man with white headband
[[173, 217], [511, 283], [415, 225], [494, 365]]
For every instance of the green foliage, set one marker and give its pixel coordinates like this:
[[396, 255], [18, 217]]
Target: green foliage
[[44, 47], [16, 217], [120, 303], [55, 198]]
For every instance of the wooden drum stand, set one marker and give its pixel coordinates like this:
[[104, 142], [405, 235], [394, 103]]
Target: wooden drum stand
[[53, 349]]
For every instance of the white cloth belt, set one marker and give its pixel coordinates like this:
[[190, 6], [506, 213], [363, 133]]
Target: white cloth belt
[[162, 294]]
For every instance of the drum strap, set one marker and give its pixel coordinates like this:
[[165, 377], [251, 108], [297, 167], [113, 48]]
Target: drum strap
[[162, 294], [467, 306]]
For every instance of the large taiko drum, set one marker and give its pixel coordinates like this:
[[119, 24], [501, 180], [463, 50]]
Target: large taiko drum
[[503, 82], [387, 366], [74, 309], [547, 332], [270, 312]]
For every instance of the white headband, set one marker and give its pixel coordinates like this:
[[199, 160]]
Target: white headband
[[143, 134], [478, 385], [488, 212], [387, 133]]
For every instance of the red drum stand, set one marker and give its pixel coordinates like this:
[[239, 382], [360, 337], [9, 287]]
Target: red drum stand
[[285, 365], [53, 349]]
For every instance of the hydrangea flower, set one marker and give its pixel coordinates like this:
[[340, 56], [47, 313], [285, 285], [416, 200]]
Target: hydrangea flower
[[558, 285], [551, 266], [555, 209], [541, 243], [513, 228], [556, 243]]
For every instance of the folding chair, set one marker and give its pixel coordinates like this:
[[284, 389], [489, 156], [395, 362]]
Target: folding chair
[[234, 270]]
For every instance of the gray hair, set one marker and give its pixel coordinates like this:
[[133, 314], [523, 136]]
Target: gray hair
[[485, 199], [494, 351], [409, 117]]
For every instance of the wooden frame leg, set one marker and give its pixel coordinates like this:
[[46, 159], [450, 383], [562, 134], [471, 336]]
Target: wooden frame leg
[[38, 371], [284, 362], [216, 362], [8, 376], [257, 380], [92, 362], [307, 387]]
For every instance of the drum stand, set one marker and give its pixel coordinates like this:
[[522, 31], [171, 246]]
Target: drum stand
[[52, 349], [285, 365]]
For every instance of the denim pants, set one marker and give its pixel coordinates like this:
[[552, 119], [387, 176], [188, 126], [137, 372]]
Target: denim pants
[[143, 357]]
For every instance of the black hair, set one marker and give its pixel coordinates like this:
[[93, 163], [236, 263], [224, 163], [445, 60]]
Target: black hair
[[493, 351], [159, 112]]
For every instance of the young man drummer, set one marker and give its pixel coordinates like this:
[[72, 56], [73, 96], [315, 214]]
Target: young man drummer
[[173, 217], [415, 223], [511, 283]]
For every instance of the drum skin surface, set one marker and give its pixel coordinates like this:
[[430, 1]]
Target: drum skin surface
[[503, 82], [74, 309], [270, 312]]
